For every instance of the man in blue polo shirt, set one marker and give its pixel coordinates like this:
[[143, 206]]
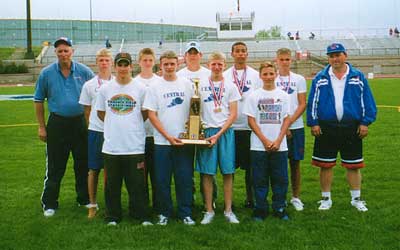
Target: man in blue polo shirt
[[61, 83]]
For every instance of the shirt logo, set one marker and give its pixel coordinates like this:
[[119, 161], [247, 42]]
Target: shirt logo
[[177, 98], [121, 104]]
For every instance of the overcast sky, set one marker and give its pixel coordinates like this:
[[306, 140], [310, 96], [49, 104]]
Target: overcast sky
[[289, 14]]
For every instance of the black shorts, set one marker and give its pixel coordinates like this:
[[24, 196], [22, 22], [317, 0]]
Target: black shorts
[[242, 149], [334, 139]]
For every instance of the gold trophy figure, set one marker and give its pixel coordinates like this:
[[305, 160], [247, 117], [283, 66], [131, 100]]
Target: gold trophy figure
[[194, 129]]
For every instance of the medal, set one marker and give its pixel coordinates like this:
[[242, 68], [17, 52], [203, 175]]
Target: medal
[[217, 97], [218, 110], [239, 83]]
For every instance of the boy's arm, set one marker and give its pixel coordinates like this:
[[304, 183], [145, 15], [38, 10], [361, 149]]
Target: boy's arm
[[157, 125], [277, 143], [86, 112], [256, 129], [101, 114], [228, 123]]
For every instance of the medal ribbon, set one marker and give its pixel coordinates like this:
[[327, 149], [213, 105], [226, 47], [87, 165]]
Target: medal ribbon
[[239, 83], [217, 97]]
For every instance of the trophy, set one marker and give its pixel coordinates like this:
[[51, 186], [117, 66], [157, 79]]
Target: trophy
[[194, 128]]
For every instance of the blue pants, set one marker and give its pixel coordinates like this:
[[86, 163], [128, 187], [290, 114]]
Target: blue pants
[[177, 161], [269, 168]]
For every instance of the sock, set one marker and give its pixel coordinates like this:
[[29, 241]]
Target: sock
[[355, 194], [326, 194]]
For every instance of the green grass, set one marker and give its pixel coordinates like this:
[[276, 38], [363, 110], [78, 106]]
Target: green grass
[[5, 53], [23, 226]]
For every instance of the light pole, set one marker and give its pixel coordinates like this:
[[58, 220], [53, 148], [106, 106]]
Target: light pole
[[29, 53], [91, 23]]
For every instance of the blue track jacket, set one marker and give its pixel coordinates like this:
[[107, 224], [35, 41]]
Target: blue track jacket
[[358, 103]]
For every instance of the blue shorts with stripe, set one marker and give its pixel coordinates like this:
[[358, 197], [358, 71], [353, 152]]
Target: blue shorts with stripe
[[95, 145], [222, 154]]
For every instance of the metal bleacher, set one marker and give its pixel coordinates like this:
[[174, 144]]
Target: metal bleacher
[[85, 53]]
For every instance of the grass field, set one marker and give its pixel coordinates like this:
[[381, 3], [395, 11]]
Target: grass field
[[22, 166]]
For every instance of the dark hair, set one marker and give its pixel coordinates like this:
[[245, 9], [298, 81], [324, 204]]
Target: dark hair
[[238, 43]]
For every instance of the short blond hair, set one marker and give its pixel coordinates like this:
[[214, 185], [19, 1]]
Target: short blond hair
[[104, 53], [169, 55], [216, 55], [146, 51], [267, 65], [284, 51]]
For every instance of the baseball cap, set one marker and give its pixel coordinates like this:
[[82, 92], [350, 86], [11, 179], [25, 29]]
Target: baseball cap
[[63, 40], [335, 48], [123, 56], [193, 45]]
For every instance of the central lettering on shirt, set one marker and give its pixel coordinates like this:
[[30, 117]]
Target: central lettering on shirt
[[174, 94], [121, 104], [178, 98], [270, 111]]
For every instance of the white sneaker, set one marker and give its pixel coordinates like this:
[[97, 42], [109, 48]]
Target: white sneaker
[[208, 217], [297, 204], [49, 212], [162, 220], [147, 223], [359, 204], [231, 217], [112, 223], [189, 221], [325, 203]]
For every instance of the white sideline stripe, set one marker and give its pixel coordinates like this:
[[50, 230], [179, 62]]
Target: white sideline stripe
[[17, 125]]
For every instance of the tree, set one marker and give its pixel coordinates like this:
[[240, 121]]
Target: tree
[[273, 32]]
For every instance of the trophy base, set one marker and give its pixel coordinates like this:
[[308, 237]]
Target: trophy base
[[195, 142]]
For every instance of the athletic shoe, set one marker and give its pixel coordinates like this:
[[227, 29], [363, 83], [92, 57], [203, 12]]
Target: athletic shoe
[[147, 223], [162, 220], [325, 203], [297, 204], [188, 221], [359, 204], [248, 204], [208, 217], [112, 223], [231, 217], [92, 210], [258, 219], [49, 212], [281, 214]]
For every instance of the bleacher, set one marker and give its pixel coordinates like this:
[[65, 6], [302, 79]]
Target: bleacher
[[257, 49]]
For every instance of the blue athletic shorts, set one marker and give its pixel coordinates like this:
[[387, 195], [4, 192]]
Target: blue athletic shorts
[[296, 144], [222, 154], [95, 145]]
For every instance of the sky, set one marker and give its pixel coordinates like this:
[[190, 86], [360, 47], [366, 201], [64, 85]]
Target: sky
[[291, 15]]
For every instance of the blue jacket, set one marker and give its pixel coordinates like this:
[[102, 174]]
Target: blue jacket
[[358, 103]]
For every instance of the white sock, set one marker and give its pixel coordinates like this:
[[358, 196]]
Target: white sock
[[326, 194], [355, 194]]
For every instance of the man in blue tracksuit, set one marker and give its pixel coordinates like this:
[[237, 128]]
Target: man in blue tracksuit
[[340, 108]]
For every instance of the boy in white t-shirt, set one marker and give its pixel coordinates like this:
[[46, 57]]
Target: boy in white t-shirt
[[119, 105], [218, 111], [148, 78], [268, 110], [194, 72], [295, 86], [168, 104], [95, 125], [246, 80]]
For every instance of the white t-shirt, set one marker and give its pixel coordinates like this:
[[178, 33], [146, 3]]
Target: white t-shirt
[[171, 101], [191, 75], [269, 108], [296, 86], [338, 91], [123, 123], [209, 103], [148, 82], [252, 82], [88, 98]]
